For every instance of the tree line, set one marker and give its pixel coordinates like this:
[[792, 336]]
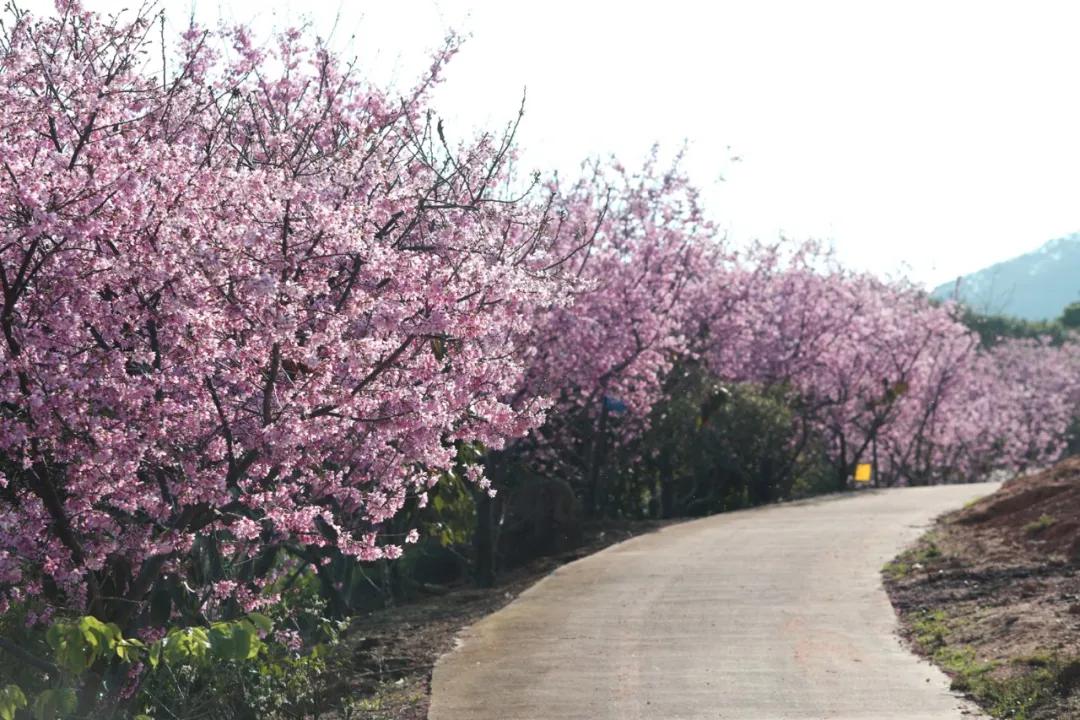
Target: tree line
[[268, 326]]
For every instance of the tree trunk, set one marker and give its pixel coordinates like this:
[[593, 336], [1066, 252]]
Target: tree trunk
[[485, 540], [597, 456]]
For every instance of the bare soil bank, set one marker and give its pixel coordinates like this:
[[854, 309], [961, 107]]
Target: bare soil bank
[[992, 595]]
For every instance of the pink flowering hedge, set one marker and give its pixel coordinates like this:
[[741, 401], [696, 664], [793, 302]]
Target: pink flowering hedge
[[254, 306]]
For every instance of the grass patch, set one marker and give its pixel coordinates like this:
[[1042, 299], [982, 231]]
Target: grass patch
[[390, 701], [1029, 688], [1037, 526], [1018, 690], [922, 555], [1017, 695], [969, 674], [931, 629]]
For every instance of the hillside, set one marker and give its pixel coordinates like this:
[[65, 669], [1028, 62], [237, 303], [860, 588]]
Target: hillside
[[1034, 286]]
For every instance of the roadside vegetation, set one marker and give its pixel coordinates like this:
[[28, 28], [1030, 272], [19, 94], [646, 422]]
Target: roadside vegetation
[[992, 596], [281, 353]]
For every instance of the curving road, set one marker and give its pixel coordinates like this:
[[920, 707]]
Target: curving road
[[769, 614]]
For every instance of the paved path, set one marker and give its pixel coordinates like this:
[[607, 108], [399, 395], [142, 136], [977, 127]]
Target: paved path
[[769, 614]]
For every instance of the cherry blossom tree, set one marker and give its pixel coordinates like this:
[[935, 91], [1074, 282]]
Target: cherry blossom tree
[[635, 242], [250, 305], [880, 373], [1016, 405]]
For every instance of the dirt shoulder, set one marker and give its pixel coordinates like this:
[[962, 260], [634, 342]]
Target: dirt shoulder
[[992, 595], [383, 669]]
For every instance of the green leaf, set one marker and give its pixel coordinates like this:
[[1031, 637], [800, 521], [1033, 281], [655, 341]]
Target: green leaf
[[247, 641], [73, 652], [54, 636], [261, 621], [187, 645], [238, 640], [78, 644], [100, 637], [11, 700], [221, 641], [128, 649], [55, 704]]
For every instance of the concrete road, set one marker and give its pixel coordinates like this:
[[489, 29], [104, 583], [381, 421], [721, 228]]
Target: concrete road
[[769, 614]]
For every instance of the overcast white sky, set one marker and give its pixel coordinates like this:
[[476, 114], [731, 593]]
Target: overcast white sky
[[929, 138]]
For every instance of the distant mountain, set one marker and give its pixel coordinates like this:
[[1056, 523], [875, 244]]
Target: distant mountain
[[1035, 286]]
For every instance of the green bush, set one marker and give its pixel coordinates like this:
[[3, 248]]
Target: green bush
[[229, 670], [712, 448]]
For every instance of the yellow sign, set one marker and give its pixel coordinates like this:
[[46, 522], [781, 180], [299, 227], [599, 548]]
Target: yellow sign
[[863, 472]]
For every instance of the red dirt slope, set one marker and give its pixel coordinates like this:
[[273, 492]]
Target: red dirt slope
[[992, 595], [1037, 514]]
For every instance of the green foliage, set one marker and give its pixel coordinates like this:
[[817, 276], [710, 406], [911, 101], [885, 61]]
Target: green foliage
[[931, 630], [992, 329], [1043, 522], [968, 673], [183, 646], [78, 644], [1023, 689], [923, 554], [55, 704], [275, 684], [450, 517], [712, 448], [1070, 317], [896, 569], [228, 669], [12, 699]]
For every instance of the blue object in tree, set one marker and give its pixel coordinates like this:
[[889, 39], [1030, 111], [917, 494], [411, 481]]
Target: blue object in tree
[[614, 405]]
